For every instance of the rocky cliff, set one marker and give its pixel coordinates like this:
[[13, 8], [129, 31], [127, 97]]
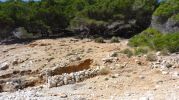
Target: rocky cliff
[[166, 17]]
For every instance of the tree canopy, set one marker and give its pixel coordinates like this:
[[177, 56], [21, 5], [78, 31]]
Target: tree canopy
[[50, 15]]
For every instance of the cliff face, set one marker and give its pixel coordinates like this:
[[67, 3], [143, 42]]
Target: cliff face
[[166, 17], [168, 26]]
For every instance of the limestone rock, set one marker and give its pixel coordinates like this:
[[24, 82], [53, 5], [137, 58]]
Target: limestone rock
[[4, 66], [168, 26], [63, 95], [175, 74], [164, 72], [15, 62], [51, 82], [65, 80], [21, 33]]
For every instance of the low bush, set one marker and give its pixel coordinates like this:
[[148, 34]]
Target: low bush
[[175, 17], [144, 38], [156, 41], [151, 57], [164, 52], [104, 71], [99, 40], [167, 9], [140, 51], [128, 52], [115, 54], [114, 40]]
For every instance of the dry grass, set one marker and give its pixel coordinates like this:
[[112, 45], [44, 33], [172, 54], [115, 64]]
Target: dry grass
[[104, 71]]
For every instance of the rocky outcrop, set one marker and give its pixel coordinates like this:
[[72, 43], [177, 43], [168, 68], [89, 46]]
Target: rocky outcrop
[[165, 25], [166, 17], [167, 65], [21, 33], [116, 28]]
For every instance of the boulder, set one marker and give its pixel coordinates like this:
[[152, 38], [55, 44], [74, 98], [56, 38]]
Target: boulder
[[21, 33], [52, 82], [4, 66]]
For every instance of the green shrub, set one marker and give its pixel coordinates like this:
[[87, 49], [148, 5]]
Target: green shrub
[[6, 25], [99, 40], [168, 41], [156, 41], [114, 40], [140, 51], [128, 52], [175, 17], [164, 52], [115, 54], [151, 57], [58, 15], [144, 38], [167, 8]]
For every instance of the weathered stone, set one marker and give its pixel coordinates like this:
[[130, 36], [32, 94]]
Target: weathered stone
[[62, 95], [138, 62], [168, 65], [71, 81], [87, 74], [175, 66], [165, 72], [158, 53], [107, 60], [175, 74], [15, 62], [51, 82], [163, 67], [65, 80], [60, 83], [81, 77], [142, 77], [22, 33], [72, 75], [13, 85], [60, 78], [106, 79], [4, 66], [68, 77], [94, 73], [77, 78]]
